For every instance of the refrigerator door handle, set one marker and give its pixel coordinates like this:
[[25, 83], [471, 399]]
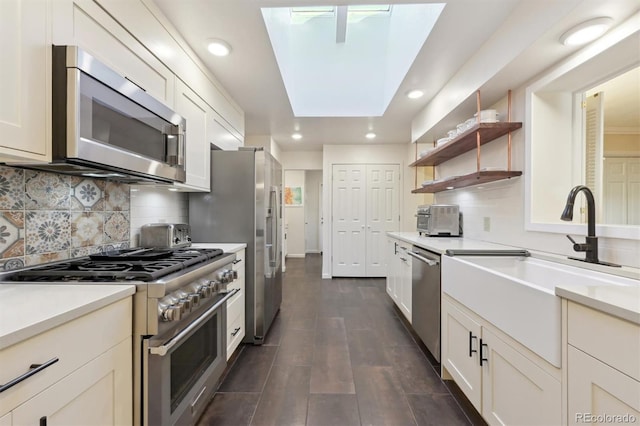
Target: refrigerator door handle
[[273, 208]]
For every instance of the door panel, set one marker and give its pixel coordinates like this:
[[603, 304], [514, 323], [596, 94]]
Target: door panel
[[383, 213], [348, 220], [365, 208]]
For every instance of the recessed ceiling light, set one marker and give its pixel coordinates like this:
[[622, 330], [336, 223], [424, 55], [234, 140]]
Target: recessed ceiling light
[[173, 189], [370, 135], [415, 94], [218, 47], [296, 136], [586, 31]]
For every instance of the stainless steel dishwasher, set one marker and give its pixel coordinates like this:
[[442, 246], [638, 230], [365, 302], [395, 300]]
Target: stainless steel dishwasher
[[425, 298]]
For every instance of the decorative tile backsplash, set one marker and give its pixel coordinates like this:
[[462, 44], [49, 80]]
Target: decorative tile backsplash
[[46, 217]]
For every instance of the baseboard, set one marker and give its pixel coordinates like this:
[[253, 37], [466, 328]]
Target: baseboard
[[326, 276], [298, 256], [313, 252]]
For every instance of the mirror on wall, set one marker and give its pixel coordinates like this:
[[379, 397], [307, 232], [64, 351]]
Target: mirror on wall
[[584, 129]]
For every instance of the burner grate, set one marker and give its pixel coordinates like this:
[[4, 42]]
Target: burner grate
[[117, 269]]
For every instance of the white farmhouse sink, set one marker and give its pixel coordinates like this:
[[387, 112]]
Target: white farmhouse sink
[[517, 295]]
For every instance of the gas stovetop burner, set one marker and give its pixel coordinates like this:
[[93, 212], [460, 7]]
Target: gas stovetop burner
[[125, 265]]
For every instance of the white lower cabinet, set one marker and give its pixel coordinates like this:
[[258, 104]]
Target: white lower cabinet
[[507, 383], [399, 265], [91, 395], [89, 381], [603, 362], [236, 307]]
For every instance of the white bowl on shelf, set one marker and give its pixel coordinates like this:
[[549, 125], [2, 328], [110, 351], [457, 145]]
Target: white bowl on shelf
[[442, 141], [488, 116]]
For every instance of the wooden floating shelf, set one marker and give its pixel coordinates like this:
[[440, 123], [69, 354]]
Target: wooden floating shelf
[[475, 178], [466, 142]]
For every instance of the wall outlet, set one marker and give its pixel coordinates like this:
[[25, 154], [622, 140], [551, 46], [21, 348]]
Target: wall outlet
[[487, 224]]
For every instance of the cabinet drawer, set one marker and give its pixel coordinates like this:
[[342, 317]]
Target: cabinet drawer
[[74, 344], [612, 340], [235, 333], [235, 306]]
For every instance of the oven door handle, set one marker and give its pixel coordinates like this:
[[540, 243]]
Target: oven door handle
[[424, 259], [164, 349]]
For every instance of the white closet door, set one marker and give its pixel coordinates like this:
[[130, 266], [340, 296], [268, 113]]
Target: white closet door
[[383, 214], [349, 220]]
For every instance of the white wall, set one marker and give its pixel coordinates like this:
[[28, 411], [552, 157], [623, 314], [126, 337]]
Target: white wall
[[156, 205], [359, 154], [266, 142], [301, 160], [312, 214], [294, 216]]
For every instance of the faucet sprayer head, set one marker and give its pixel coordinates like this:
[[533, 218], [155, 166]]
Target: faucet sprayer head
[[567, 214]]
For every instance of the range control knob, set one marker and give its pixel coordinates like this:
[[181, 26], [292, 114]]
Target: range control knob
[[185, 304], [194, 298], [172, 313], [204, 290], [176, 240]]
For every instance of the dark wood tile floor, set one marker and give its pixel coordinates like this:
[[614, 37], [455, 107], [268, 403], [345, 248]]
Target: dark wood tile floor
[[336, 355]]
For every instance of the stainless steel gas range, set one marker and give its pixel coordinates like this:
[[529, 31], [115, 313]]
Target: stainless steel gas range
[[179, 321]]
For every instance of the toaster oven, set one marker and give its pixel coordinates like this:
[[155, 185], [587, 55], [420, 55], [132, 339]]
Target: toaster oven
[[439, 220]]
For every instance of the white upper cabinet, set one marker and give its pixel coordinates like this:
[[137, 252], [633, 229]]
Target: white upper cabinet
[[219, 136], [147, 23], [85, 24], [197, 158], [25, 82]]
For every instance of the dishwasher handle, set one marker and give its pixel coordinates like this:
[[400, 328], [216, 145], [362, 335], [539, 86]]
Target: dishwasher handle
[[429, 262]]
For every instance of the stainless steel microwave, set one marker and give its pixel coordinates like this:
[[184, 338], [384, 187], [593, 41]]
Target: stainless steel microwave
[[106, 126]]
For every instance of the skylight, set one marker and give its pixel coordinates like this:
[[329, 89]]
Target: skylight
[[347, 61]]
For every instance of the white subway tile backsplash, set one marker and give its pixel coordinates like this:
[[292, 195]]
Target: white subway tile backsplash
[[156, 205]]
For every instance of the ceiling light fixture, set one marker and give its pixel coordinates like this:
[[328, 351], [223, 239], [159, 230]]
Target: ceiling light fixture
[[415, 94], [370, 135], [296, 136], [450, 187], [218, 47], [586, 31]]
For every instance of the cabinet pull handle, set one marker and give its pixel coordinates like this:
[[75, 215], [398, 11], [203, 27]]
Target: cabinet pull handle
[[482, 358], [471, 350], [33, 369], [235, 262], [43, 421], [236, 331]]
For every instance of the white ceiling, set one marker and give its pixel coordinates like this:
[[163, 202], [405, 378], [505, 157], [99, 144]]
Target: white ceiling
[[465, 28]]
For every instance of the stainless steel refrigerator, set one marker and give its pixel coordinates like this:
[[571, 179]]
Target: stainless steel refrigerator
[[245, 206]]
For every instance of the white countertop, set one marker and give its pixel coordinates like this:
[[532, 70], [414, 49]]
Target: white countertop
[[442, 244], [620, 301], [226, 247], [30, 309]]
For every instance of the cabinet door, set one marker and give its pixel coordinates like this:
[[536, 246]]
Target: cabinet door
[[197, 158], [98, 393], [26, 80], [460, 349], [85, 24], [596, 389], [515, 391], [391, 254], [405, 297], [218, 135], [6, 420]]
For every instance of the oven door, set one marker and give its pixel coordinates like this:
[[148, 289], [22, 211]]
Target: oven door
[[183, 372]]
